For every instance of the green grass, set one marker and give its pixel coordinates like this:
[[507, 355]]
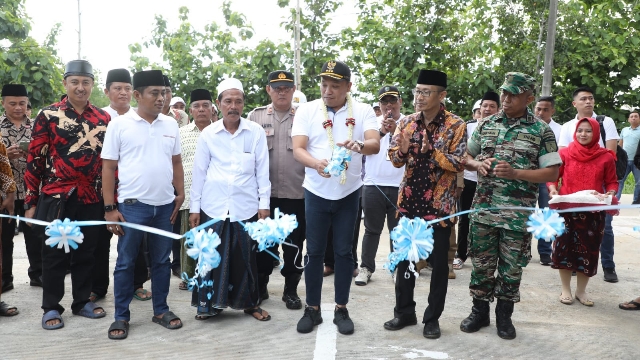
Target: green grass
[[629, 185]]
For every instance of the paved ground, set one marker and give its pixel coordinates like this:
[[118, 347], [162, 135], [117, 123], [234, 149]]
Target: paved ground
[[546, 328]]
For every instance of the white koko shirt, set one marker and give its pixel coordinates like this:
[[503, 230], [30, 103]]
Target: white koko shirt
[[144, 152], [231, 171], [378, 168]]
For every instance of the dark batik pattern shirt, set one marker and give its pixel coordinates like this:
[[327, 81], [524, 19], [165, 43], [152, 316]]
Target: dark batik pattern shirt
[[428, 188], [64, 154], [12, 135]]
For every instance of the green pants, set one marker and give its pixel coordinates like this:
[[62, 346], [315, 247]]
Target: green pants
[[494, 248]]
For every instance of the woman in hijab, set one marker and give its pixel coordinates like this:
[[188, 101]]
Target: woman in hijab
[[585, 166]]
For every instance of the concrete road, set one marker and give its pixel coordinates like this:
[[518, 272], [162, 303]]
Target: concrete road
[[546, 328]]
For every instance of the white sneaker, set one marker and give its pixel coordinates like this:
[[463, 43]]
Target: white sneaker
[[363, 277]]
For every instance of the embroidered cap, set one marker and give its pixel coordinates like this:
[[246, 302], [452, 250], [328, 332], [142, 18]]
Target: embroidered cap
[[118, 75], [518, 83], [280, 78], [229, 84], [14, 90], [388, 90], [78, 68], [298, 98], [336, 69]]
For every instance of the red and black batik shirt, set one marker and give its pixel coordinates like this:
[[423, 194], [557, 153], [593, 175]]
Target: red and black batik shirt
[[65, 153]]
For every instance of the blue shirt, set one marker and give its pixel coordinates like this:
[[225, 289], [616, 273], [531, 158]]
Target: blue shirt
[[630, 139]]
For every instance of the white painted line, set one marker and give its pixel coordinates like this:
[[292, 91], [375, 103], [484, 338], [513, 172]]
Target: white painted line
[[326, 336]]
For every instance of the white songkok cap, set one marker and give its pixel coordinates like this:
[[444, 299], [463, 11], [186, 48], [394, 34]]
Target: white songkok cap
[[477, 105], [228, 84]]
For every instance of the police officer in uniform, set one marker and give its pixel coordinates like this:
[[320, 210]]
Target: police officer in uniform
[[286, 176]]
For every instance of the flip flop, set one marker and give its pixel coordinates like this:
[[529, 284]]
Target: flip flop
[[566, 300], [5, 309], [259, 311], [625, 306], [166, 320], [119, 325], [586, 302], [52, 315], [88, 311], [183, 286], [136, 294]]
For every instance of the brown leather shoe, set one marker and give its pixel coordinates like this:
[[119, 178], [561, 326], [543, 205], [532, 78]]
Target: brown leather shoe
[[327, 271]]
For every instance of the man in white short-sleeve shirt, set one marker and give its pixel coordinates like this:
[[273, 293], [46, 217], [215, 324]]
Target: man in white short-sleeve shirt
[[584, 102], [332, 201], [145, 148]]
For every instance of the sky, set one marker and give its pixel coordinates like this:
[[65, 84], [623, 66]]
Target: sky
[[108, 27]]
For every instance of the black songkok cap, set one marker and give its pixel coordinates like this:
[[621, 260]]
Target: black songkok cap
[[167, 83], [280, 78], [490, 95], [432, 77], [200, 94], [14, 90], [148, 78], [336, 69], [118, 75], [78, 68], [388, 90]]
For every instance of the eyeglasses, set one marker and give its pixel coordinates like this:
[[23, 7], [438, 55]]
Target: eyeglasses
[[425, 93], [282, 90], [387, 102]]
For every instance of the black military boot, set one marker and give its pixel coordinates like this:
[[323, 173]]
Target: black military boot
[[478, 318], [263, 280], [290, 294], [504, 309]]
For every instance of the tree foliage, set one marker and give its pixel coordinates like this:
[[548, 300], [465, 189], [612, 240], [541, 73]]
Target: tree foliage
[[24, 61], [474, 41]]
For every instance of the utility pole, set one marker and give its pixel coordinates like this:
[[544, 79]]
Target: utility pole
[[549, 48], [79, 32], [297, 50]]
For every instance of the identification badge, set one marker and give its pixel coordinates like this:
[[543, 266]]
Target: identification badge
[[269, 131]]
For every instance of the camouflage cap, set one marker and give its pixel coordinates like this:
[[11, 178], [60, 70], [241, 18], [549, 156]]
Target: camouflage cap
[[518, 83]]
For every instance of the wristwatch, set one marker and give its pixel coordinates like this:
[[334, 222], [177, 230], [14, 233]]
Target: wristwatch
[[381, 133], [109, 208]]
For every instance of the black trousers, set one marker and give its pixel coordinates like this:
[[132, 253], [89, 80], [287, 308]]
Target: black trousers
[[466, 198], [405, 285], [101, 275], [55, 261], [31, 241], [264, 260], [329, 260]]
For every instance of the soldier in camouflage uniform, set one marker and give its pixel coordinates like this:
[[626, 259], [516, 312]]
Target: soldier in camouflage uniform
[[512, 151]]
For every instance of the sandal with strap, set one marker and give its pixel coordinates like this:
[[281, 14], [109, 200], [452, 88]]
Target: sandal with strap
[[52, 315], [119, 325], [257, 310], [166, 320], [183, 286], [141, 291], [95, 297], [88, 311], [6, 310], [625, 306]]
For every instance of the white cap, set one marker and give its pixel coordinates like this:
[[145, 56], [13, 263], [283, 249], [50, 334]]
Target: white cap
[[177, 99], [228, 84], [298, 98], [375, 105], [477, 105]]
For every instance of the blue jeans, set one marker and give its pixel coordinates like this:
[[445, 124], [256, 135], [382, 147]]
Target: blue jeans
[[544, 248], [159, 250], [636, 177], [606, 247], [321, 214]]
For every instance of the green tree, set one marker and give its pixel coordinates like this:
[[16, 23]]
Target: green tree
[[24, 61], [201, 59]]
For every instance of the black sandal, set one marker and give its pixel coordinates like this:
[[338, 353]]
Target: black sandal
[[624, 306], [5, 310], [259, 311], [119, 325], [166, 320]]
